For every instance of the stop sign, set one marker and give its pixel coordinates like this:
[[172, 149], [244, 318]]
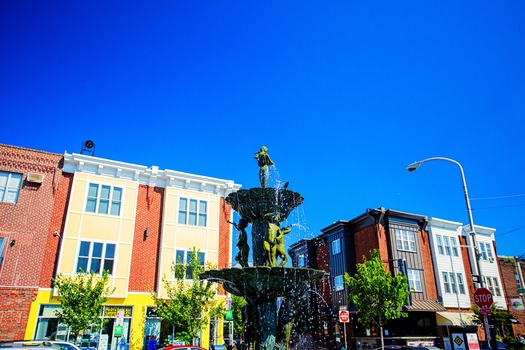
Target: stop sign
[[483, 298], [344, 316]]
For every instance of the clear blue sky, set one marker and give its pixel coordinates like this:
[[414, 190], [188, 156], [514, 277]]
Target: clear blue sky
[[344, 94]]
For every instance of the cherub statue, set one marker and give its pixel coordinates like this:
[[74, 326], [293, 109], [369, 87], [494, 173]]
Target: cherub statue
[[242, 242], [274, 241], [263, 159]]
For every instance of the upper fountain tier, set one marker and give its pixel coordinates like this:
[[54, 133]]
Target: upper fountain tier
[[260, 203]]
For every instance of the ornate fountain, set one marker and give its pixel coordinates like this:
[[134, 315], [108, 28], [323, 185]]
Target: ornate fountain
[[268, 280]]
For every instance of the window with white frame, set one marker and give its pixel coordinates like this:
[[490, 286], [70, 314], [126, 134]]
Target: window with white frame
[[2, 245], [454, 246], [461, 283], [486, 251], [183, 263], [338, 283], [446, 243], [446, 283], [95, 257], [336, 247], [453, 284], [9, 186], [104, 199], [439, 240], [414, 280], [301, 261], [405, 240], [193, 212], [493, 285]]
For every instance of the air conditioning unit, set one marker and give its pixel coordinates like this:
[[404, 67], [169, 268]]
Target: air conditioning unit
[[35, 178]]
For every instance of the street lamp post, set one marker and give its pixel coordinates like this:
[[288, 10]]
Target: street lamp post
[[472, 232]]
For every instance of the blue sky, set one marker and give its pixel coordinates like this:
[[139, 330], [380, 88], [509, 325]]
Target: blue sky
[[344, 94]]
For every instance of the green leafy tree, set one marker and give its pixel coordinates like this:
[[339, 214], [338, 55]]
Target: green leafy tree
[[376, 293], [190, 301], [82, 297], [238, 304], [499, 318]]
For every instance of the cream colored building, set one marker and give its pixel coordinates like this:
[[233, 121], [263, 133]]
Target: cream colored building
[[134, 221]]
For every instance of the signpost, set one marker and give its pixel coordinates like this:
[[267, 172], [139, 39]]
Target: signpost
[[344, 317], [483, 299]]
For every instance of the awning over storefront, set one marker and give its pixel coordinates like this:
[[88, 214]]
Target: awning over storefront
[[445, 318]]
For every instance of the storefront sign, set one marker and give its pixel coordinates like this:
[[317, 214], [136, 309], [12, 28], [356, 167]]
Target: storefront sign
[[472, 340], [103, 342], [458, 341], [517, 304], [117, 331]]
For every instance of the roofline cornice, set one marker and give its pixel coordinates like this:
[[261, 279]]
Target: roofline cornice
[[150, 176]]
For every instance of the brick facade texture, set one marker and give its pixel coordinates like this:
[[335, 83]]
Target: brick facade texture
[[28, 226], [510, 287], [145, 255]]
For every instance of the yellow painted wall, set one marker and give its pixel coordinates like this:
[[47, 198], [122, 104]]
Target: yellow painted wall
[[139, 302], [118, 230]]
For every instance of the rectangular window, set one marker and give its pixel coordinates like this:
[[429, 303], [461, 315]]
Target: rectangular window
[[453, 284], [447, 245], [454, 246], [95, 257], [488, 249], [446, 283], [103, 199], [482, 252], [183, 259], [9, 186], [338, 283], [193, 212], [301, 261], [336, 247], [461, 283], [439, 240], [2, 245], [405, 240], [493, 286], [414, 280]]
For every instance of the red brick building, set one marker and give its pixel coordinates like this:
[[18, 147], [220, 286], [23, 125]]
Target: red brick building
[[512, 273], [32, 205]]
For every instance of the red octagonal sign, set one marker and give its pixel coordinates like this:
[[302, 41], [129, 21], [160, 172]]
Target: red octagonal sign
[[344, 316], [483, 298]]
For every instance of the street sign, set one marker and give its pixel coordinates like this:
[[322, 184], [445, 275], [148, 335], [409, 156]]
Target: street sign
[[228, 314], [521, 291], [344, 316], [483, 298]]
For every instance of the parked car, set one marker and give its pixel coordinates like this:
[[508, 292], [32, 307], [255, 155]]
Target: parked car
[[30, 344], [184, 347], [485, 346], [64, 344]]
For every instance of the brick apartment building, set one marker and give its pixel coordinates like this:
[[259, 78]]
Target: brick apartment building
[[434, 255], [63, 213], [513, 272]]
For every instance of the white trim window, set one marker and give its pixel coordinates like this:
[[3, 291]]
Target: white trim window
[[414, 280], [446, 282], [10, 184], [336, 246], [95, 257], [183, 260], [338, 283], [439, 240], [104, 199], [454, 246], [486, 251], [493, 285], [301, 261], [405, 240], [193, 212]]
